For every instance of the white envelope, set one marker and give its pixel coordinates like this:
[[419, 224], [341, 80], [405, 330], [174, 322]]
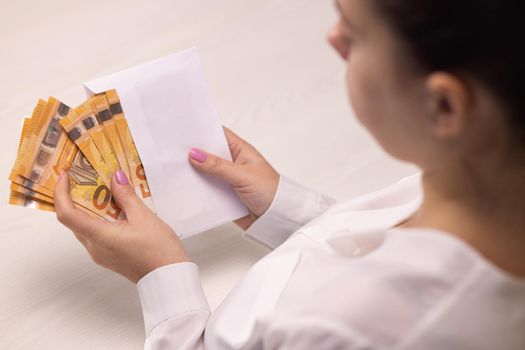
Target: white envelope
[[168, 105]]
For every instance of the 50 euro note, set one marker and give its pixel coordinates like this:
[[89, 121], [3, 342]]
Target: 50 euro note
[[27, 191], [50, 152], [111, 107], [78, 131], [85, 131], [25, 200], [91, 128], [20, 194], [25, 139], [100, 108], [97, 133]]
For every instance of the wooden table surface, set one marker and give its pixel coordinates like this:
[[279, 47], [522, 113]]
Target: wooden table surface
[[275, 81]]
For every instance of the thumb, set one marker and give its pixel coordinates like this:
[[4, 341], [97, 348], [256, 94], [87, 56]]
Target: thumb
[[213, 165], [125, 196], [76, 220]]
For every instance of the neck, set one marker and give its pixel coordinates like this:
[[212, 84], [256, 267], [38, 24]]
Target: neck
[[482, 204]]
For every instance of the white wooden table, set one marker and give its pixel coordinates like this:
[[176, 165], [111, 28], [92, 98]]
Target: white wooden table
[[276, 83]]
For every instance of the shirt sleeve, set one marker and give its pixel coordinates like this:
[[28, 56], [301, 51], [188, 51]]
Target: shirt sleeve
[[293, 207], [174, 306]]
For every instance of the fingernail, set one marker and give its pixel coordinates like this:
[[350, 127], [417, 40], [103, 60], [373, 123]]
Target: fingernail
[[199, 155], [121, 178]]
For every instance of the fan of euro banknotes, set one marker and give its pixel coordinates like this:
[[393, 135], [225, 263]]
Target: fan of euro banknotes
[[89, 142]]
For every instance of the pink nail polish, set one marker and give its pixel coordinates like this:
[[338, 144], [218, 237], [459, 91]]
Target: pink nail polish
[[199, 155], [121, 178]]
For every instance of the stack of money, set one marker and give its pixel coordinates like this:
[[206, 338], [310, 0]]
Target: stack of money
[[90, 143]]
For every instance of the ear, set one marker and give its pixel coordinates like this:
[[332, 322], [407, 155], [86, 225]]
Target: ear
[[450, 104]]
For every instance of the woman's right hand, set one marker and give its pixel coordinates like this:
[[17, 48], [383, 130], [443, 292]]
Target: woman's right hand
[[253, 179]]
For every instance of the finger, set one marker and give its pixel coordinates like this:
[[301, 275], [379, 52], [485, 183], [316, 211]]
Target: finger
[[235, 142], [231, 136], [218, 167], [75, 219], [125, 196]]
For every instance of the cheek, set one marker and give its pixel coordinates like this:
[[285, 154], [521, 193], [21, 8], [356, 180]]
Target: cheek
[[382, 104], [365, 90]]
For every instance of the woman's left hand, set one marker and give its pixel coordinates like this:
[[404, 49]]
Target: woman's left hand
[[131, 247]]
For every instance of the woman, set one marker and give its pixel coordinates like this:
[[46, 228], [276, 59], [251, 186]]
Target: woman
[[432, 262]]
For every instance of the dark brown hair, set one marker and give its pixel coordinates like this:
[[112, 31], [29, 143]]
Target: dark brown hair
[[480, 38]]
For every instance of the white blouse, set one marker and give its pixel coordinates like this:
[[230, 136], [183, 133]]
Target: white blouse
[[340, 277]]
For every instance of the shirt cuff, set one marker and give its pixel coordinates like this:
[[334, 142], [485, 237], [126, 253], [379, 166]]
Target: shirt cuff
[[292, 207], [170, 291]]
